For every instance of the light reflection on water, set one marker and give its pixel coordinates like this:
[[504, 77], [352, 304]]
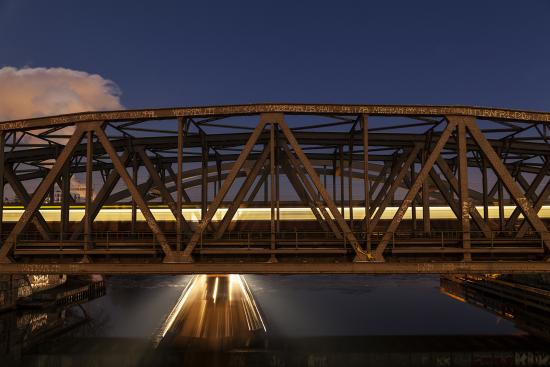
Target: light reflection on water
[[297, 306], [296, 310]]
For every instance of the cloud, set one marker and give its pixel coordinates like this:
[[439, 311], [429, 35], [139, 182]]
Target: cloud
[[35, 92]]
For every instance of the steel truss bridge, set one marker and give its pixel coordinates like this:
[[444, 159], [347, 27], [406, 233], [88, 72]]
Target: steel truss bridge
[[348, 165]]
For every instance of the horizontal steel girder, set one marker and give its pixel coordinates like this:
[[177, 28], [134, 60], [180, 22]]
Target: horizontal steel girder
[[281, 268]]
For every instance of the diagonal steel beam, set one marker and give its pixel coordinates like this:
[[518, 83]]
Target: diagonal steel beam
[[360, 255], [453, 183], [38, 220], [227, 183], [256, 188], [302, 193], [174, 178], [537, 207], [41, 191], [250, 199], [236, 203], [309, 189], [422, 175], [384, 190], [445, 192], [102, 195], [412, 155], [502, 172], [136, 195], [379, 179], [162, 188], [531, 191]]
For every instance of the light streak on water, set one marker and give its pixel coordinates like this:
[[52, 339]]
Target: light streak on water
[[213, 310], [254, 316], [215, 293], [178, 306]]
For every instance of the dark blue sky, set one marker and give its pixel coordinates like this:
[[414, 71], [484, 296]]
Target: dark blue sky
[[165, 53]]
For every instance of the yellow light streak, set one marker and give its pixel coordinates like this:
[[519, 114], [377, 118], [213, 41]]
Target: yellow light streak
[[124, 214], [215, 293], [453, 296], [179, 305], [252, 313]]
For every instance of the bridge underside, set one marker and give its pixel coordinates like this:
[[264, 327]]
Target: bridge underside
[[235, 182]]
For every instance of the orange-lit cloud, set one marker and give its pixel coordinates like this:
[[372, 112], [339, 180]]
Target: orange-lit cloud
[[33, 92]]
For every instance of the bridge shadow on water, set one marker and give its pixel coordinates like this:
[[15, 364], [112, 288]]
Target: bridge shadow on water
[[216, 321]]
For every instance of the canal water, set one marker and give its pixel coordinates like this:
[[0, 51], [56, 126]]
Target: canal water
[[309, 320]]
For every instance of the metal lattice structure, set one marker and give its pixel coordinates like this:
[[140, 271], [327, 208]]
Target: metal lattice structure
[[371, 178]]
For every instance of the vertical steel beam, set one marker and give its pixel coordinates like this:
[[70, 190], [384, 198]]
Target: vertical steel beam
[[204, 174], [426, 223], [51, 194], [266, 189], [413, 204], [364, 120], [485, 187], [179, 185], [500, 205], [219, 177], [324, 180], [341, 170], [135, 171], [273, 182], [463, 187], [334, 178], [350, 182], [89, 192], [65, 202], [277, 184]]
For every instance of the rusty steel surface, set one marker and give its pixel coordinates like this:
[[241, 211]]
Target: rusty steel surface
[[253, 109], [371, 176], [281, 268]]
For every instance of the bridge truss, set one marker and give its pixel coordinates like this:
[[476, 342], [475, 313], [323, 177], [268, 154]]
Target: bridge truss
[[372, 177]]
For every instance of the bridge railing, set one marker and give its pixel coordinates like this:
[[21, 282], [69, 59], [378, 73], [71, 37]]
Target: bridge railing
[[285, 239]]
